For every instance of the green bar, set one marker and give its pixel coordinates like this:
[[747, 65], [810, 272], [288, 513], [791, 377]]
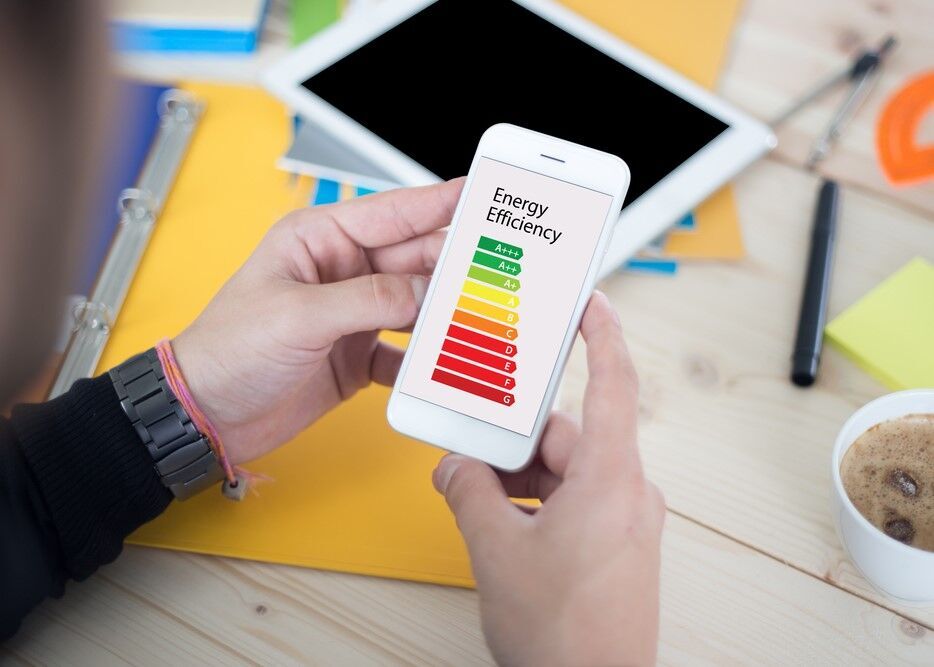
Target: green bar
[[493, 278], [500, 248], [498, 263]]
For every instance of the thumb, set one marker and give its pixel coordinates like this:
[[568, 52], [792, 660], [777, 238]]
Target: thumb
[[365, 303], [476, 497]]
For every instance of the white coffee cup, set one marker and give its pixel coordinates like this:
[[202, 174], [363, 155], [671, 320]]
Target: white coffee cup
[[900, 571]]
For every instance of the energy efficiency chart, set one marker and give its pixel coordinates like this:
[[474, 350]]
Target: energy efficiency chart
[[477, 355], [541, 258]]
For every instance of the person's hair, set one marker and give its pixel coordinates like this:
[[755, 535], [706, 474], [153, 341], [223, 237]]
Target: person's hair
[[48, 35], [49, 69]]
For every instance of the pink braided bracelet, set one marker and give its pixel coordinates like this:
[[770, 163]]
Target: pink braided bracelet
[[176, 381]]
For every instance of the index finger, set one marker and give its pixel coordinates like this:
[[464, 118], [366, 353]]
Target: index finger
[[387, 218], [611, 398]]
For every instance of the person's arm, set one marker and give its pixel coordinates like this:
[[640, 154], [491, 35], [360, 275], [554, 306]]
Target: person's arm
[[292, 334], [74, 482]]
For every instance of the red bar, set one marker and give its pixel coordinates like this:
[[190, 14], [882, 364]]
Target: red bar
[[481, 390], [478, 339], [481, 357], [474, 371]]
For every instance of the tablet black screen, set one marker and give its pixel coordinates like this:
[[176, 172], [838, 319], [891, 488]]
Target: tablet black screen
[[431, 85]]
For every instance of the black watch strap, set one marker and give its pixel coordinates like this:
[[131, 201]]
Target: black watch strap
[[183, 458]]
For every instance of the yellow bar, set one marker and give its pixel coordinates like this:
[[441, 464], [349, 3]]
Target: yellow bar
[[490, 294], [485, 309]]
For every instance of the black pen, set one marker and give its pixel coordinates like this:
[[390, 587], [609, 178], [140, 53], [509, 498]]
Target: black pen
[[861, 74], [809, 339]]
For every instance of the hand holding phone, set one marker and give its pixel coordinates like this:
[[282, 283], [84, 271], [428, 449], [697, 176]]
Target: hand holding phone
[[534, 219], [294, 332], [576, 581]]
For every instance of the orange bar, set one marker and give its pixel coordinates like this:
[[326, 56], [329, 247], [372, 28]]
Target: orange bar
[[495, 328]]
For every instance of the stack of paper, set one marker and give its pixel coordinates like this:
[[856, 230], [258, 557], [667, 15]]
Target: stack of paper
[[183, 25]]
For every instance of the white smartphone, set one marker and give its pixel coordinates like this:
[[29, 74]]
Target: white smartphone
[[504, 304]]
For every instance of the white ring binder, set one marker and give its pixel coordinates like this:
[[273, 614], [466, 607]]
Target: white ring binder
[[138, 209]]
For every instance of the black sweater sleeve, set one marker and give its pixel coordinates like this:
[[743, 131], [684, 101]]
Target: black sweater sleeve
[[75, 480]]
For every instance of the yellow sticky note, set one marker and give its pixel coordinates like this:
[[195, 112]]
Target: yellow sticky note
[[717, 234], [347, 192], [890, 331], [686, 35]]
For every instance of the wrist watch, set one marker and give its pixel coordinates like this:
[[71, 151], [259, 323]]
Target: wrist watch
[[183, 457]]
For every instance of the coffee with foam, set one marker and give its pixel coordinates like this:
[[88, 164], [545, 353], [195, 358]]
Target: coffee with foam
[[888, 473]]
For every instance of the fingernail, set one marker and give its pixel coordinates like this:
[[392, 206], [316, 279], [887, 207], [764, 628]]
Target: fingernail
[[445, 471], [419, 288]]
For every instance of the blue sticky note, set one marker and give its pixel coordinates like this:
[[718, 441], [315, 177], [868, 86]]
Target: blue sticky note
[[652, 266], [686, 223], [327, 192]]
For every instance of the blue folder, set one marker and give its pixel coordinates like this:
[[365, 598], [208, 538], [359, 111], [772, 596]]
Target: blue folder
[[135, 123]]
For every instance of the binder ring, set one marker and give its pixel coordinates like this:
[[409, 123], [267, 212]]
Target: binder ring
[[93, 315], [178, 106], [136, 205]]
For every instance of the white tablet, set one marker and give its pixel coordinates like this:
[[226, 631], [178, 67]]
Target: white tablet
[[412, 84]]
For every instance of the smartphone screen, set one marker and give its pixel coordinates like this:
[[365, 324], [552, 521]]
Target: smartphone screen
[[505, 295]]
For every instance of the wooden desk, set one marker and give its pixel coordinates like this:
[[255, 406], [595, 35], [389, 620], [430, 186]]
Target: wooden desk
[[753, 572]]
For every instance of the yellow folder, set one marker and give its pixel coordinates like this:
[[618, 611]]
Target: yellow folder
[[349, 494]]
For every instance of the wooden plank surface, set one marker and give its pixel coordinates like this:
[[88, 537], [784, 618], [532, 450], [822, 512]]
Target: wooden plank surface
[[753, 572], [782, 49], [722, 603]]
